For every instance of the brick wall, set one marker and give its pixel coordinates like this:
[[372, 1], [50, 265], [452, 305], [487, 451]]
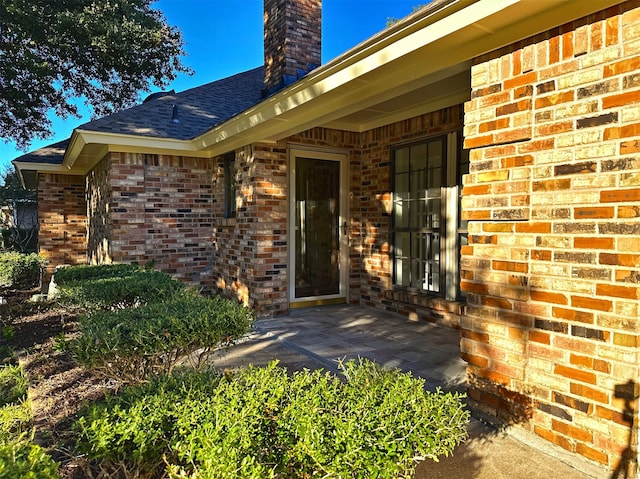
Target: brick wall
[[62, 236], [552, 268], [100, 227], [250, 250], [264, 209], [160, 209]]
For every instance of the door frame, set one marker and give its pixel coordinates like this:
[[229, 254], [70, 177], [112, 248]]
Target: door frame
[[342, 157]]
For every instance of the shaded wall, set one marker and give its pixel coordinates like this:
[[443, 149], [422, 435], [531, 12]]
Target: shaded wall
[[251, 249], [153, 208], [100, 227]]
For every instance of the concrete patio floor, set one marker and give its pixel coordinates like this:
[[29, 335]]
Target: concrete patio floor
[[321, 337]]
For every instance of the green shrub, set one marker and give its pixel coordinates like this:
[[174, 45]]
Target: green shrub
[[70, 274], [132, 344], [19, 457], [15, 412], [23, 460], [15, 421], [19, 270], [263, 423], [13, 385], [92, 288]]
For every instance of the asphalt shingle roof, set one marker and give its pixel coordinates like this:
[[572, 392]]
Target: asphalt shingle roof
[[197, 111], [51, 154]]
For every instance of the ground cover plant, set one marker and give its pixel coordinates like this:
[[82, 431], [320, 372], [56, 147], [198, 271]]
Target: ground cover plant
[[265, 423], [20, 458], [20, 270]]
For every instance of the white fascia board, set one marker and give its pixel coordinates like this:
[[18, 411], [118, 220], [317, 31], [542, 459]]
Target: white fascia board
[[114, 142], [120, 142], [46, 168]]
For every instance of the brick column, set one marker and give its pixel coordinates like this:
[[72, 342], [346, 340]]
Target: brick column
[[62, 218], [553, 265], [250, 249]]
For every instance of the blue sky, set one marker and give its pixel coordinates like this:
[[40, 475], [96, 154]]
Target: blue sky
[[224, 37]]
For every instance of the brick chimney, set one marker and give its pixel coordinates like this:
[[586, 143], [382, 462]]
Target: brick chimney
[[292, 41]]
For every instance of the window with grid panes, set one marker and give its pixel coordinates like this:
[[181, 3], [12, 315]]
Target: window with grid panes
[[427, 227]]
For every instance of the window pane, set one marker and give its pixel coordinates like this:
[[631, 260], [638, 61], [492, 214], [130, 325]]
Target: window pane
[[418, 156], [402, 160], [417, 274], [435, 181], [435, 153], [419, 247], [229, 186], [432, 280], [401, 201], [433, 213], [418, 204], [418, 217], [401, 251], [418, 184], [402, 185]]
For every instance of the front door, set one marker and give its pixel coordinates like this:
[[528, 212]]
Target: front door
[[318, 228]]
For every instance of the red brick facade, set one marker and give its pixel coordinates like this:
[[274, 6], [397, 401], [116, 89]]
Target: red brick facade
[[150, 207], [62, 216], [250, 249], [552, 268]]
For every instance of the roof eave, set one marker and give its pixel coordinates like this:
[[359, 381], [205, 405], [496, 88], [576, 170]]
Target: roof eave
[[412, 53], [421, 50]]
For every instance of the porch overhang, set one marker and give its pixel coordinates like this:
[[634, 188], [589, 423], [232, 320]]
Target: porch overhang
[[418, 65]]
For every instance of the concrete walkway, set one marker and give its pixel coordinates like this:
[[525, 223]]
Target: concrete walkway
[[320, 337]]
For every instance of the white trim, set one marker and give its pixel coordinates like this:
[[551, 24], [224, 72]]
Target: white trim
[[451, 217]]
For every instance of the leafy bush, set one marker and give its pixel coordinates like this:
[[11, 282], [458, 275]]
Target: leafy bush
[[19, 270], [132, 344], [263, 423], [15, 421], [19, 457], [92, 288], [70, 274], [13, 385], [23, 460], [15, 411]]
